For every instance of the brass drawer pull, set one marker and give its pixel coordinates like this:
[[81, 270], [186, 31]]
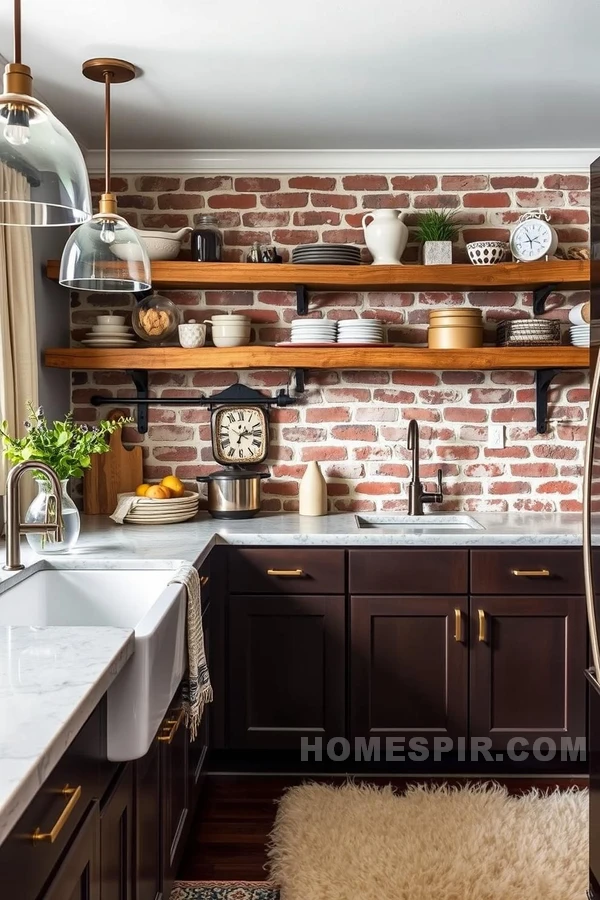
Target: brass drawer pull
[[174, 723], [50, 836], [286, 573], [203, 580], [458, 631], [482, 626], [531, 573]]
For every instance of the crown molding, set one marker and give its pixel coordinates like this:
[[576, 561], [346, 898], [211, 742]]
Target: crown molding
[[343, 161]]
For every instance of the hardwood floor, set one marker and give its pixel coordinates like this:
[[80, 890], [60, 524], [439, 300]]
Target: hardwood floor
[[236, 813]]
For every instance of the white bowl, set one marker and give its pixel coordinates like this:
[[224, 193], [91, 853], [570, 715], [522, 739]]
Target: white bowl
[[486, 253], [231, 332], [110, 320], [223, 320], [158, 244]]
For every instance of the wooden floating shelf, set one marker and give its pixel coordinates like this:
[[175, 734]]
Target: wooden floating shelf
[[263, 357], [561, 274]]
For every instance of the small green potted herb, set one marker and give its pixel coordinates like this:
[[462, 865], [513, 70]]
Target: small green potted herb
[[437, 229], [67, 448]]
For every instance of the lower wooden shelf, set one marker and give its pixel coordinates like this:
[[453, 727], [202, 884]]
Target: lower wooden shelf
[[264, 357]]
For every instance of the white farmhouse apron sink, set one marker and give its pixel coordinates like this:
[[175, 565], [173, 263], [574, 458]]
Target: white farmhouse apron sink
[[141, 599]]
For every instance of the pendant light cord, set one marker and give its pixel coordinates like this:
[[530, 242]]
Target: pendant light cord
[[107, 78], [17, 31]]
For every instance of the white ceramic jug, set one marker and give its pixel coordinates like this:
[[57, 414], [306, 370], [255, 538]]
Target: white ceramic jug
[[386, 236]]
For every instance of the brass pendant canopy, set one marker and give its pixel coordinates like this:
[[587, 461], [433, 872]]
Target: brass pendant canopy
[[44, 179], [106, 254]]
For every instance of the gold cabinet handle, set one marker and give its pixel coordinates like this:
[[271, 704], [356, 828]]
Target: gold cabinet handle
[[482, 625], [531, 573], [286, 573], [50, 836], [458, 631], [174, 723], [203, 580]]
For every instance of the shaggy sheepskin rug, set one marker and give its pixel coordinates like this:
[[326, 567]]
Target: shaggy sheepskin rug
[[360, 842]]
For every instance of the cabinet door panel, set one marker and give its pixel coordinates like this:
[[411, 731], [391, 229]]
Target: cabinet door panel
[[148, 876], [409, 673], [286, 669], [527, 664], [174, 741], [78, 875], [116, 840]]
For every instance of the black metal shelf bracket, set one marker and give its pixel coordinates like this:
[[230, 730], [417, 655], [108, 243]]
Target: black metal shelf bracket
[[236, 393], [301, 300], [543, 379], [540, 295]]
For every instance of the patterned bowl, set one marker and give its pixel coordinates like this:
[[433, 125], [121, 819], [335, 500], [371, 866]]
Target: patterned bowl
[[486, 253]]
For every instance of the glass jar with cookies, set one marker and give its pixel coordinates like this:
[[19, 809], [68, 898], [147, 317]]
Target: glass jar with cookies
[[155, 319]]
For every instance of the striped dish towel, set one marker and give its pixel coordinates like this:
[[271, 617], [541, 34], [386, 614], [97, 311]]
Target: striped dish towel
[[196, 689]]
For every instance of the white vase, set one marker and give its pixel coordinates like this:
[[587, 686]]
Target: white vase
[[313, 492], [386, 236], [437, 253]]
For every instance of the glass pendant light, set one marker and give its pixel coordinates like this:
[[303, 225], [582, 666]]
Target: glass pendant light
[[47, 181], [106, 254]]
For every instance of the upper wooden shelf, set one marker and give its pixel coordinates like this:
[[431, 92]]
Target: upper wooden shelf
[[256, 356], [563, 274]]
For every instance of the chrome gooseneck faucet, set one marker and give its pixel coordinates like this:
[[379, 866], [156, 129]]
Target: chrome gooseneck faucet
[[417, 496], [14, 527]]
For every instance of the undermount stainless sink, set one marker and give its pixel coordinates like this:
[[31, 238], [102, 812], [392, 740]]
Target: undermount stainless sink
[[415, 524], [128, 597]]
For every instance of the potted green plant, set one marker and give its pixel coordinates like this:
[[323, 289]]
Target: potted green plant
[[436, 229], [67, 447]]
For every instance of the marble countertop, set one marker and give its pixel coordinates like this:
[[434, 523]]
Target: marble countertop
[[51, 680], [192, 541]]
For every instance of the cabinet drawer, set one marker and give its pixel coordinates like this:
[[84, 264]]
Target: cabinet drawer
[[286, 571], [408, 571], [25, 864], [506, 571]]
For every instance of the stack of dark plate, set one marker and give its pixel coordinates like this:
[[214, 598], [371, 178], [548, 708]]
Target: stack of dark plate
[[327, 255]]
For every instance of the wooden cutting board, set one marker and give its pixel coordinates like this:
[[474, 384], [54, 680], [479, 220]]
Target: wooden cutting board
[[111, 473]]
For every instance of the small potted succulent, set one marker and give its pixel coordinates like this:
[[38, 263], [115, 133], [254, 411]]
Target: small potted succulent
[[67, 448], [436, 229]]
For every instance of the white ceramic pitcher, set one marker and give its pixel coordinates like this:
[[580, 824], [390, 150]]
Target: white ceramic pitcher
[[386, 236]]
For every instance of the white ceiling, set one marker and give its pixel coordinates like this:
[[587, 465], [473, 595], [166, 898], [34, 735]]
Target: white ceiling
[[415, 74]]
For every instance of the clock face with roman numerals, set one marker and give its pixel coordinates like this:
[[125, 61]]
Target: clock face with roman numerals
[[239, 435]]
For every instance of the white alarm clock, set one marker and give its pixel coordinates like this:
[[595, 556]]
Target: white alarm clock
[[533, 238]]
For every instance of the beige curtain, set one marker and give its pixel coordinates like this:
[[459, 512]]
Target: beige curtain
[[18, 345]]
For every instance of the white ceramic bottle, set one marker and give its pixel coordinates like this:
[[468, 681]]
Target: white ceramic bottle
[[313, 492], [386, 236]]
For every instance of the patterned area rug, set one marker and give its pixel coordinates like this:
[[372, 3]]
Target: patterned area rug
[[225, 890]]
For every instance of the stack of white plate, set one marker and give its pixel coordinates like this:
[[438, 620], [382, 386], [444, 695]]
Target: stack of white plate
[[327, 255], [360, 331], [110, 336], [314, 331], [163, 512], [580, 335]]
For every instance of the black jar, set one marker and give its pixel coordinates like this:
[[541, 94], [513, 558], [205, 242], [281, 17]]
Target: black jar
[[207, 241]]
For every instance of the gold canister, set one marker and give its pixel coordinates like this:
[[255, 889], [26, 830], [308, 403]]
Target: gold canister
[[456, 322], [455, 337]]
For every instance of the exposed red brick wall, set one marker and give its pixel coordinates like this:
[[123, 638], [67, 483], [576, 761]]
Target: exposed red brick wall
[[355, 422]]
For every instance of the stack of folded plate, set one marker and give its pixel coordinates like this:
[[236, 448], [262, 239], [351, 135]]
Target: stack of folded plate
[[163, 512], [580, 335], [360, 331], [327, 255], [313, 331]]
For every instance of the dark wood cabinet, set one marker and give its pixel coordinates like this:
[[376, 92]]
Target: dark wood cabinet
[[286, 666], [78, 875], [148, 838], [409, 661], [175, 805], [116, 839], [528, 656]]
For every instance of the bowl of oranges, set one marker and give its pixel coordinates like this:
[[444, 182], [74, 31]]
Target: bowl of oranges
[[162, 503]]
